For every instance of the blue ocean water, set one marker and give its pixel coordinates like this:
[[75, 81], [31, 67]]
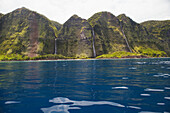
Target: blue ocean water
[[86, 86]]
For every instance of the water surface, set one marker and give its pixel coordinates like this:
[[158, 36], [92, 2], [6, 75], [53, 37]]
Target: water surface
[[86, 86]]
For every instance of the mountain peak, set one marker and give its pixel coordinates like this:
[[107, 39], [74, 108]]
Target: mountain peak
[[105, 13], [75, 16], [126, 19], [73, 19], [22, 9], [122, 16], [103, 17]]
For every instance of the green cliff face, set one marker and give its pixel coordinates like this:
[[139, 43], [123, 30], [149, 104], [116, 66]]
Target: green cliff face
[[26, 32], [108, 34], [1, 15], [136, 34], [123, 34], [160, 33], [75, 38], [57, 25]]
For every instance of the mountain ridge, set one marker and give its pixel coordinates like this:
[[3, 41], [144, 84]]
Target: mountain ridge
[[31, 34]]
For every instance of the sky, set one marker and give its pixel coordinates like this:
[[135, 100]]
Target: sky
[[62, 10]]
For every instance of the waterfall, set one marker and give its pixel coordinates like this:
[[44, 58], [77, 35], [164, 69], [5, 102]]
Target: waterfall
[[94, 51], [55, 47], [125, 39]]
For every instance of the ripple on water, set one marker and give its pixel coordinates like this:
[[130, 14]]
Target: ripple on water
[[133, 68], [161, 62], [148, 89], [148, 112], [120, 87], [125, 78], [58, 109], [61, 100], [145, 95], [166, 87], [168, 98], [140, 63], [12, 102], [161, 104], [67, 104], [168, 68], [164, 62], [133, 107], [162, 75]]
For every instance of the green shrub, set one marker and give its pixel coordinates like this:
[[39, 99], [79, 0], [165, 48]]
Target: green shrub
[[118, 54], [150, 52]]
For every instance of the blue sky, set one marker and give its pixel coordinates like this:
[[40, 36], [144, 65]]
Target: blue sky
[[61, 10]]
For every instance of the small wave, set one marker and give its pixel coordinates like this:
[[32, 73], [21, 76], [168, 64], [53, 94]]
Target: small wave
[[167, 98], [162, 67], [161, 104], [146, 95], [121, 87], [164, 62], [133, 68], [134, 107], [148, 89], [65, 104], [125, 78], [168, 68], [140, 63], [162, 75], [148, 112], [61, 100], [12, 102], [161, 62], [59, 109], [166, 87]]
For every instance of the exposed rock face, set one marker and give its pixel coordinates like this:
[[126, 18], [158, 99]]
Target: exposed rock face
[[26, 32], [33, 36], [75, 38]]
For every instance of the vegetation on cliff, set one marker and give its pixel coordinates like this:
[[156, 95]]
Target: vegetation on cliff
[[26, 32], [1, 15], [160, 33], [25, 35], [141, 53], [108, 34], [75, 38]]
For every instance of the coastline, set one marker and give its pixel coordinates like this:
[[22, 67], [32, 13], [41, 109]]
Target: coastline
[[50, 60]]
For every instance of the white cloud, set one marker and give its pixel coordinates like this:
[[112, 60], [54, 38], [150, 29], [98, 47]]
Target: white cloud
[[61, 10]]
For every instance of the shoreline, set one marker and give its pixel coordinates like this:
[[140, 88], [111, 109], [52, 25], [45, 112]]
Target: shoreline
[[44, 60]]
